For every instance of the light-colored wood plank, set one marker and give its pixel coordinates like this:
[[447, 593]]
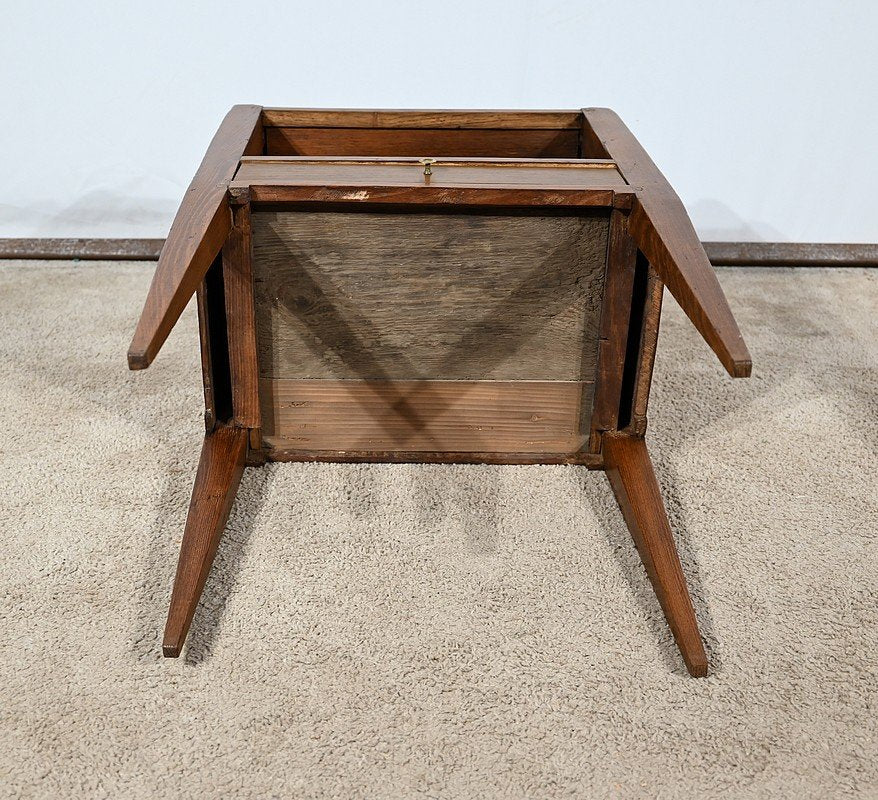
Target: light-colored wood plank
[[432, 296], [433, 416], [380, 173]]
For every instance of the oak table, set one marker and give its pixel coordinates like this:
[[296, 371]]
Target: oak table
[[431, 286]]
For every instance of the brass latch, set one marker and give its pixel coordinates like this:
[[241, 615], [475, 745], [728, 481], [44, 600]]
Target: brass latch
[[427, 162]]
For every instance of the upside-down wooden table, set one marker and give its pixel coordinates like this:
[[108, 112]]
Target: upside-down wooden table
[[431, 286]]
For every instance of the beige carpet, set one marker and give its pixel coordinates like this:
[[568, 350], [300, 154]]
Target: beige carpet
[[441, 631]]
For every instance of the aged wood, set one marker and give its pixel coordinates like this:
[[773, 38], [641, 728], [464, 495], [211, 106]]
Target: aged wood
[[495, 310], [648, 345], [426, 195], [582, 458], [430, 415], [394, 118], [445, 173], [407, 296], [219, 473], [662, 229], [631, 475], [615, 315], [540, 143], [241, 316], [197, 233]]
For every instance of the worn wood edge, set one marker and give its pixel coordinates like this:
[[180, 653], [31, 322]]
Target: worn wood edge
[[463, 194], [420, 118], [197, 233], [663, 231], [721, 254], [584, 459]]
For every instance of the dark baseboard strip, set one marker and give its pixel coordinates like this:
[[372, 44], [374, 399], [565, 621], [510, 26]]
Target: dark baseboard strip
[[786, 254], [725, 254], [85, 249]]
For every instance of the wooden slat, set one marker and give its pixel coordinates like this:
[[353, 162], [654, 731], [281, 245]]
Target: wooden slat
[[241, 322], [648, 345], [663, 231], [390, 118], [510, 197], [422, 142], [197, 234], [281, 453], [517, 174], [615, 317], [433, 416], [445, 296]]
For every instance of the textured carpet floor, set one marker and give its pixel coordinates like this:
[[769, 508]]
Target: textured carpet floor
[[439, 631]]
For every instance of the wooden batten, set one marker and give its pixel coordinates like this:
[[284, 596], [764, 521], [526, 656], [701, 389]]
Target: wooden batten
[[433, 142], [425, 415], [241, 316], [389, 118]]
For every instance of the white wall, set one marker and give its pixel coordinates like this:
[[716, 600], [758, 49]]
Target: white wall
[[762, 114]]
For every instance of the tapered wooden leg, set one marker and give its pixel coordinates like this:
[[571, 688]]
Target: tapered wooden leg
[[629, 469], [216, 482]]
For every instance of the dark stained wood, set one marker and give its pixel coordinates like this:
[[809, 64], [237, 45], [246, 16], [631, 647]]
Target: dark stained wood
[[409, 296], [494, 312], [648, 345], [219, 473], [284, 454], [241, 319], [662, 229], [434, 416], [197, 234], [510, 197], [631, 475], [445, 173], [423, 142], [210, 419], [615, 315], [408, 118]]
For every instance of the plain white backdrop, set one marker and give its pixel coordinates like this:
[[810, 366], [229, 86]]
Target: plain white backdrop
[[763, 115]]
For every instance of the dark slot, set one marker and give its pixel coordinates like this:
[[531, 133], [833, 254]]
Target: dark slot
[[632, 347], [218, 340]]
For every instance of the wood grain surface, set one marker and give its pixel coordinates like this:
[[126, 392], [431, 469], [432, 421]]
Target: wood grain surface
[[663, 231], [197, 234], [436, 416], [498, 143], [428, 296], [216, 483], [513, 119], [633, 480], [552, 175]]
